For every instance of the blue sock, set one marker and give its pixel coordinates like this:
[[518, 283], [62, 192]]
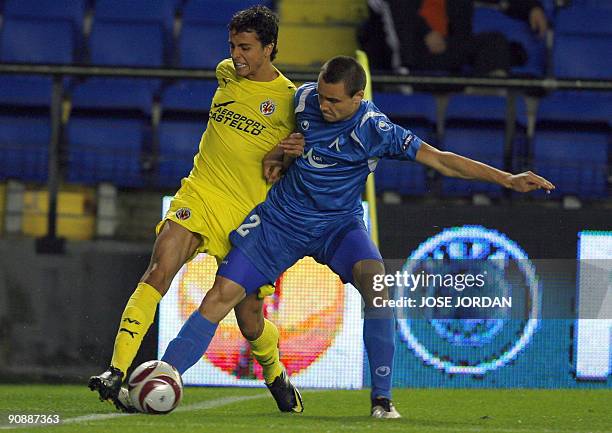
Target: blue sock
[[379, 339], [190, 343]]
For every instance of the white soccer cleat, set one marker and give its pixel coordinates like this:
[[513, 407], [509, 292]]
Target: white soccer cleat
[[124, 401], [383, 408]]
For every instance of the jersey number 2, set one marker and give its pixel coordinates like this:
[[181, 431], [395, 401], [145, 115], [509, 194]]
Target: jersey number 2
[[243, 230]]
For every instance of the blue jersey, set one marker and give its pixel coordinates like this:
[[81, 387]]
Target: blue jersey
[[327, 182]]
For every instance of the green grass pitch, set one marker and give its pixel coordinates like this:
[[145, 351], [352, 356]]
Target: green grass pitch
[[253, 410]]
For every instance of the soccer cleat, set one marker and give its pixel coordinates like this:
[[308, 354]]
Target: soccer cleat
[[287, 396], [383, 408], [108, 385], [123, 401]]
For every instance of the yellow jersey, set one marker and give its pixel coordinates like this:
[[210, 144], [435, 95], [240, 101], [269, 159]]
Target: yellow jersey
[[247, 119]]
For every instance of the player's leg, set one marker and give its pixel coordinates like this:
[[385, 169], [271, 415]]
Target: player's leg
[[197, 332], [378, 336], [263, 336], [357, 260], [236, 278], [174, 245]]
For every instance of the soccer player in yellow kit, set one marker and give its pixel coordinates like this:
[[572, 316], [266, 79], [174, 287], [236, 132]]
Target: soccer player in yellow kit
[[252, 111]]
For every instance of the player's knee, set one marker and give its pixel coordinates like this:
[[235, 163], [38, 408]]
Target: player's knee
[[366, 272], [250, 329], [224, 294], [365, 275], [159, 276]]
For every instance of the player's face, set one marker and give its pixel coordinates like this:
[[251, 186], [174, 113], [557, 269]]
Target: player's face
[[335, 103], [251, 58]]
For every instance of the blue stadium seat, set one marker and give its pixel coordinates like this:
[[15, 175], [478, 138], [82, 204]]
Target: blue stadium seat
[[583, 56], [178, 143], [489, 20], [596, 4], [125, 44], [105, 150], [203, 45], [584, 20], [483, 144], [415, 106], [576, 162], [576, 107], [48, 10], [489, 108], [132, 94], [36, 41], [158, 13], [217, 12], [582, 43], [24, 147], [188, 95], [403, 177], [149, 11], [25, 91]]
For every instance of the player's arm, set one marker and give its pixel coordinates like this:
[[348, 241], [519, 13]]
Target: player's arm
[[453, 165], [278, 160]]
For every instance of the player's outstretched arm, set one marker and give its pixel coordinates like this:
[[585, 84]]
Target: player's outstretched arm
[[453, 165]]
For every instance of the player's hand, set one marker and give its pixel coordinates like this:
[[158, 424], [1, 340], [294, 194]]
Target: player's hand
[[293, 145], [435, 42], [529, 181], [538, 21], [272, 170]]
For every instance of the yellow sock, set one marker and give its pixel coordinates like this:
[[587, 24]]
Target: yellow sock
[[265, 351], [137, 317]]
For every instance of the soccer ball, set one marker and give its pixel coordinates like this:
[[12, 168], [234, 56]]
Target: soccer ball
[[155, 387]]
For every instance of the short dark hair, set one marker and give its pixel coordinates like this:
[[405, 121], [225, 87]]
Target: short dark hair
[[346, 69], [258, 19]]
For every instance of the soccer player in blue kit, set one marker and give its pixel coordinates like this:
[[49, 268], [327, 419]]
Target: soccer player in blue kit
[[315, 210]]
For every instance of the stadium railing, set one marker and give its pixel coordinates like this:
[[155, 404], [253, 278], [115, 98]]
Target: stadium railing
[[513, 87]]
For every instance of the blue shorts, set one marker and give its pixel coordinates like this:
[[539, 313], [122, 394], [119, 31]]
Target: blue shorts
[[269, 244]]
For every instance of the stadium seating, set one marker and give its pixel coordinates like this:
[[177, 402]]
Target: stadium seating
[[582, 50], [51, 10], [29, 41], [488, 108], [24, 147], [582, 43], [150, 11], [193, 53], [121, 44], [157, 13], [216, 12], [576, 107], [485, 145], [105, 149], [188, 96], [575, 161], [178, 143], [415, 107], [489, 20]]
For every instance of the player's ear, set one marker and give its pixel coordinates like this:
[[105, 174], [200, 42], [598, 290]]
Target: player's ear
[[268, 49], [357, 97]]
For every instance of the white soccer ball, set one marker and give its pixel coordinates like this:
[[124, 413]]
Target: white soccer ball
[[155, 387]]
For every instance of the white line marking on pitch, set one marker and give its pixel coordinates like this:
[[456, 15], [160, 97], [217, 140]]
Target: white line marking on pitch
[[208, 404]]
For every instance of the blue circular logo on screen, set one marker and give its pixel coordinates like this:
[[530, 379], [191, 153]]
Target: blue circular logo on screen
[[474, 269]]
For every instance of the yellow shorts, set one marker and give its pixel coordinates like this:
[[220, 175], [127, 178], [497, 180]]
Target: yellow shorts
[[212, 220]]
